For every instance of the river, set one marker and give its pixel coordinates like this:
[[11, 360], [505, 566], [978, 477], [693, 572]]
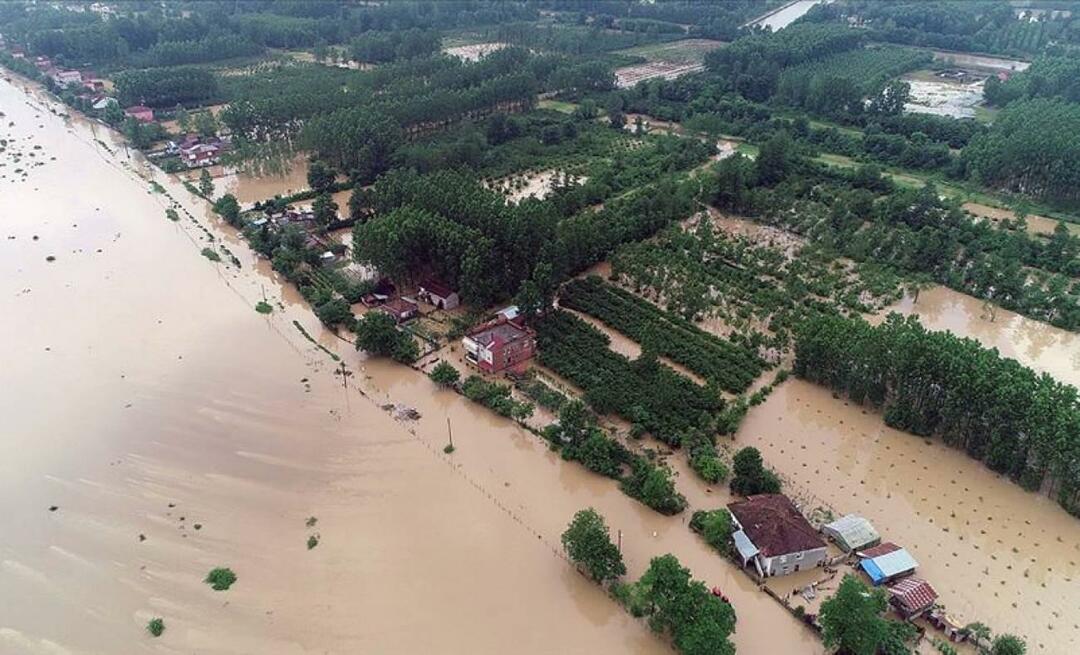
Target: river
[[786, 15], [156, 426]]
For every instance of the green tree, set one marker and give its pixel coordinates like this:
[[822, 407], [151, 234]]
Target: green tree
[[320, 177], [444, 374], [588, 543], [774, 160], [205, 123], [220, 579], [1008, 645], [183, 119], [851, 620], [751, 476], [377, 333], [206, 184], [229, 209], [325, 209], [358, 203]]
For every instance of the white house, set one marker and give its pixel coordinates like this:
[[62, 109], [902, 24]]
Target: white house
[[772, 533]]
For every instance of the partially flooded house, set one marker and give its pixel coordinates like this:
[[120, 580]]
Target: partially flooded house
[[773, 534], [499, 344], [886, 562]]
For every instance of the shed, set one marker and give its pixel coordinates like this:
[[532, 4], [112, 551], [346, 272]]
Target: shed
[[402, 309], [911, 596], [889, 566], [747, 549], [438, 294], [852, 532]]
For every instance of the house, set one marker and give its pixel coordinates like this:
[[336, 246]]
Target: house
[[775, 535], [65, 77], [140, 113], [509, 313], [439, 295], [401, 309], [498, 345], [103, 102], [42, 63], [886, 562], [911, 597], [94, 83], [201, 154], [852, 533]]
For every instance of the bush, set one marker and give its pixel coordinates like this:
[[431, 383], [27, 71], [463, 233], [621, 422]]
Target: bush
[[211, 254], [220, 579], [444, 374], [751, 476], [653, 486], [156, 626], [716, 527], [377, 334], [263, 307], [709, 467]]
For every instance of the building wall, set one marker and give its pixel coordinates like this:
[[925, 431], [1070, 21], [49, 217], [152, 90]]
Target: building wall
[[785, 564]]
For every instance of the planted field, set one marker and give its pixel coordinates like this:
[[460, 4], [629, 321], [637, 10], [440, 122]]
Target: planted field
[[731, 366], [643, 391], [667, 60], [864, 69]]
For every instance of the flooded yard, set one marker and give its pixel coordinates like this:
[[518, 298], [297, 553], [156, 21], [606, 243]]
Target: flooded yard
[[943, 98]]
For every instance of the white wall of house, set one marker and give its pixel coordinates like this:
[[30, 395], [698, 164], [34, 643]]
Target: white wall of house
[[791, 562]]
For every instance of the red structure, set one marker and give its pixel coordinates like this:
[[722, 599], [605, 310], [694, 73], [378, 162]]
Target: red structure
[[500, 344], [140, 113]]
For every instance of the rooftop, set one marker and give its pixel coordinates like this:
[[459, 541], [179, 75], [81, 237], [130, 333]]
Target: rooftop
[[878, 551], [502, 331], [437, 288], [912, 594], [775, 525], [854, 531]]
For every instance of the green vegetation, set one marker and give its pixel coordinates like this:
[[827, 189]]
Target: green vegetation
[[1019, 423], [716, 527], [680, 607], [852, 622], [220, 579], [156, 627], [495, 397], [730, 366], [751, 476], [211, 254], [263, 307], [588, 544], [652, 485], [312, 541], [377, 333], [444, 374], [643, 391]]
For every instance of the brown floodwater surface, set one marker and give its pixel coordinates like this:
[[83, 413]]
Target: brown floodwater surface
[[156, 426]]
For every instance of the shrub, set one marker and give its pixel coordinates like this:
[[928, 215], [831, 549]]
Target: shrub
[[220, 579], [444, 374], [263, 307], [156, 626], [211, 254]]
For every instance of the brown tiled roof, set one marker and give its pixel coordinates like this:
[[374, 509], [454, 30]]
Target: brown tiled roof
[[775, 526], [879, 550], [912, 594]]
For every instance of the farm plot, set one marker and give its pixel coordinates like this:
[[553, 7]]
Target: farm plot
[[642, 391], [731, 366], [667, 60]]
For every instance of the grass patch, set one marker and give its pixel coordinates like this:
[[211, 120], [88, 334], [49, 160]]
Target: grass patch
[[220, 579], [318, 345], [156, 626], [557, 105], [263, 307]]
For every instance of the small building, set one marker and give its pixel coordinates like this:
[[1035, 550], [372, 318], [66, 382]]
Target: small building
[[42, 62], [438, 295], [778, 538], [200, 154], [65, 77], [509, 313], [140, 113], [886, 562], [911, 597], [852, 533], [498, 345], [94, 83], [103, 102], [401, 309]]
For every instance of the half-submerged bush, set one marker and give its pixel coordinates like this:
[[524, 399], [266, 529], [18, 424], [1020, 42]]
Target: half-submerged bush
[[220, 579]]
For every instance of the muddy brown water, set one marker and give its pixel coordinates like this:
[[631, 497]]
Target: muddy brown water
[[144, 395]]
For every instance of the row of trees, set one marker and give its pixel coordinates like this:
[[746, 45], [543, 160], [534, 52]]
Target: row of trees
[[1017, 422]]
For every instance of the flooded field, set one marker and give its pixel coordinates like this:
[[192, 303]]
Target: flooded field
[[1036, 224], [665, 60], [475, 51], [170, 428], [943, 98]]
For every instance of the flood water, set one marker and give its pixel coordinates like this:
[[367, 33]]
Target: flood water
[[786, 15], [174, 429]]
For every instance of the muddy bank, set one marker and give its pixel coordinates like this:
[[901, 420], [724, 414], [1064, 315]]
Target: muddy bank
[[139, 376]]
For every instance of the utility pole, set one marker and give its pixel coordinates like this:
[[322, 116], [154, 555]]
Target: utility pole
[[344, 375], [450, 433], [620, 542]]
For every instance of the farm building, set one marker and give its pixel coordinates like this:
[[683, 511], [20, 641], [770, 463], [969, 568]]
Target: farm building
[[886, 563], [498, 345], [775, 535], [140, 113], [65, 77], [438, 295], [401, 309], [852, 533], [911, 597]]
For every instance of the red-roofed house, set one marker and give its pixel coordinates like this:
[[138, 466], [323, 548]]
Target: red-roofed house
[[140, 113], [781, 540], [498, 345], [911, 597], [401, 309]]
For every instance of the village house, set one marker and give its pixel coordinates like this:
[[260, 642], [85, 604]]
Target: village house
[[439, 295], [499, 344], [401, 309], [42, 62], [103, 102], [305, 220], [772, 533], [886, 562], [140, 113], [911, 597], [94, 83], [65, 77], [851, 533], [201, 154]]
